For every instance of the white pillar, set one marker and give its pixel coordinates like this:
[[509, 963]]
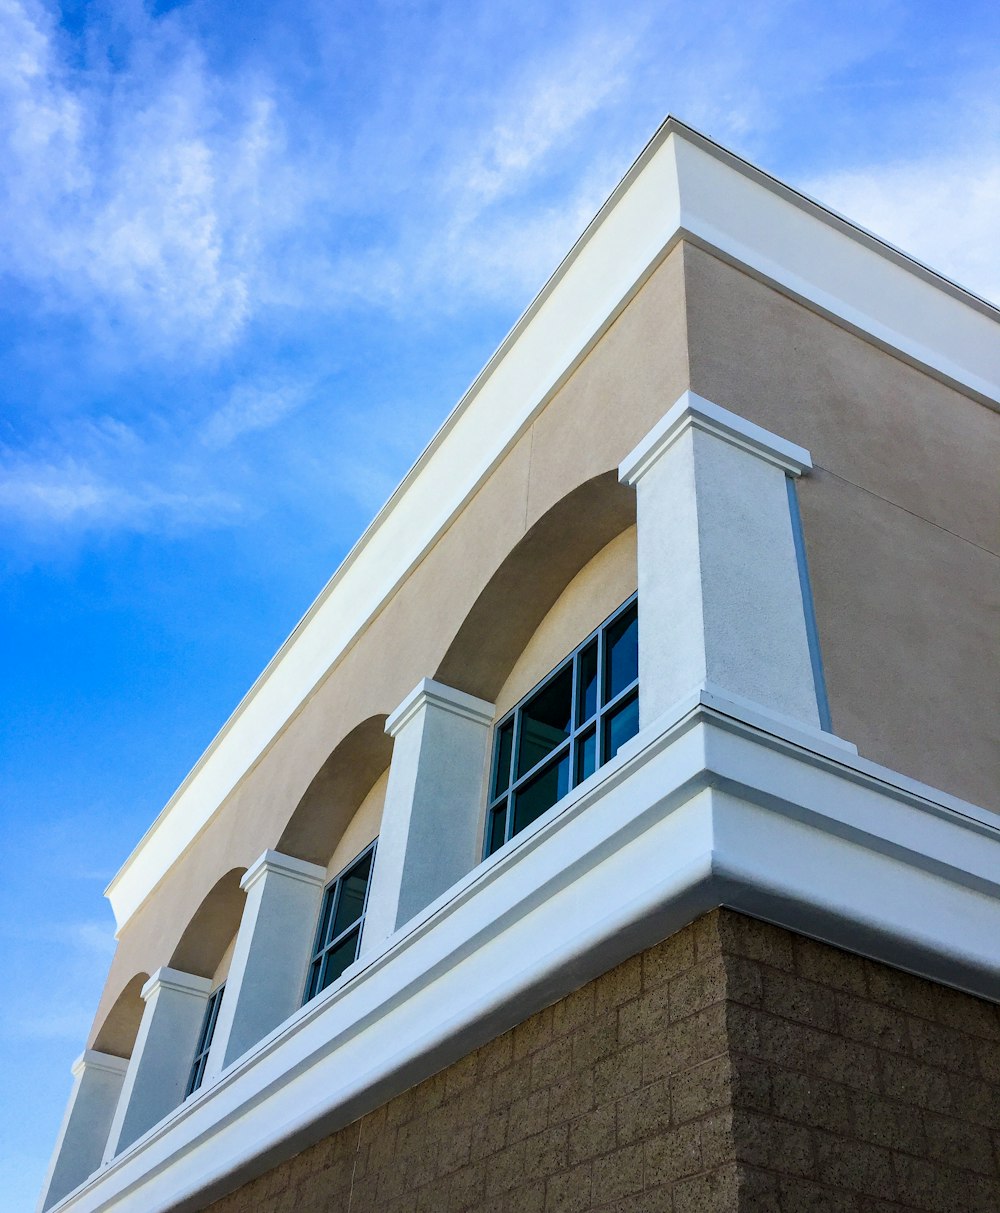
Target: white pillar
[[83, 1136], [720, 599], [431, 827], [160, 1066], [273, 946]]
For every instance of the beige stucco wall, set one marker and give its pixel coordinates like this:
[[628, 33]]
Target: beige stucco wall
[[901, 520], [363, 828], [613, 397]]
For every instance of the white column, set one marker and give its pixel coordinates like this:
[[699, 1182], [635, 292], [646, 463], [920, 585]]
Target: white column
[[720, 600], [83, 1136], [160, 1066], [268, 970], [431, 827]]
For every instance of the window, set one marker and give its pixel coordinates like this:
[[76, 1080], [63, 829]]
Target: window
[[340, 921], [205, 1040], [568, 726]]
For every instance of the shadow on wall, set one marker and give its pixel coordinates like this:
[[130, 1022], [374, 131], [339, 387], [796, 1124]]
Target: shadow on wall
[[121, 1026], [336, 792], [212, 927], [522, 591]]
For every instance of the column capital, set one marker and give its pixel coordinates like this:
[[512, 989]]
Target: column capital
[[177, 981], [90, 1059], [448, 699], [283, 865], [692, 411]]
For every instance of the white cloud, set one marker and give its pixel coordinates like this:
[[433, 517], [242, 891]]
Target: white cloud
[[132, 192], [251, 408], [943, 209]]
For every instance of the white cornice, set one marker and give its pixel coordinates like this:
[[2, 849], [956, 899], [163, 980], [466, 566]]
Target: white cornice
[[428, 692], [682, 186], [283, 865], [700, 809], [692, 411]]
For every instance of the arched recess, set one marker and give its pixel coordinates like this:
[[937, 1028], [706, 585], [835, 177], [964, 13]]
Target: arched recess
[[522, 591], [121, 1024], [213, 927], [336, 792]]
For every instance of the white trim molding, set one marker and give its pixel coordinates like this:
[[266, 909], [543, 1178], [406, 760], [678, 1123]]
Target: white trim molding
[[709, 805], [682, 187], [694, 411], [448, 699]]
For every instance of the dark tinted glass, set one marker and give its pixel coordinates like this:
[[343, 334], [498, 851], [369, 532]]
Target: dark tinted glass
[[498, 827], [545, 720], [586, 756], [352, 895], [622, 724], [505, 739], [541, 793], [621, 654], [338, 958], [586, 703], [323, 934]]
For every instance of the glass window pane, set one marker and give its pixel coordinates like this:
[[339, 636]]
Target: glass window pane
[[586, 702], [323, 933], [352, 895], [545, 720], [586, 754], [541, 792], [338, 958], [621, 653], [622, 724], [498, 828], [312, 985], [505, 739]]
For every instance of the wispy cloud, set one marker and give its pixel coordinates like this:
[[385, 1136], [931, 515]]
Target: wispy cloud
[[131, 192], [943, 209]]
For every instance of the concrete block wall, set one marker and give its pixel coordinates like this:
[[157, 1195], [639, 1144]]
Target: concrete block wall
[[735, 1066]]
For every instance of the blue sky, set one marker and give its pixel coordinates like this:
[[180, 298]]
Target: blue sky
[[250, 256]]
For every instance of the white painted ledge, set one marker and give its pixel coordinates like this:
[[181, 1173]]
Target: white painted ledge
[[702, 808]]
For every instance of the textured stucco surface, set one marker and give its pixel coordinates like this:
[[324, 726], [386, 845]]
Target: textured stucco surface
[[901, 527], [734, 1067], [901, 520], [613, 397]]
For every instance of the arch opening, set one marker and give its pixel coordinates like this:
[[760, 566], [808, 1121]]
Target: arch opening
[[336, 793], [118, 1032], [212, 928], [526, 586]]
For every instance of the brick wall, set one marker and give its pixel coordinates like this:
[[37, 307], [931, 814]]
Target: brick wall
[[735, 1066]]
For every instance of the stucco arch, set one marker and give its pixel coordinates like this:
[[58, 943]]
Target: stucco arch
[[529, 581], [336, 792], [117, 1033], [212, 927]]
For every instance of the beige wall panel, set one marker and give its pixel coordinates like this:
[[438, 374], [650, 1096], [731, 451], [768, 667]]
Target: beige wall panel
[[621, 389], [364, 827], [864, 414], [601, 586], [222, 969], [623, 386], [909, 617]]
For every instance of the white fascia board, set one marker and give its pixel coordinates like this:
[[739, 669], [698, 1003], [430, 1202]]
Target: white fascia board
[[701, 809], [818, 257], [681, 185]]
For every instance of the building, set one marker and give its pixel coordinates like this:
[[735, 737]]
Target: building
[[666, 683]]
